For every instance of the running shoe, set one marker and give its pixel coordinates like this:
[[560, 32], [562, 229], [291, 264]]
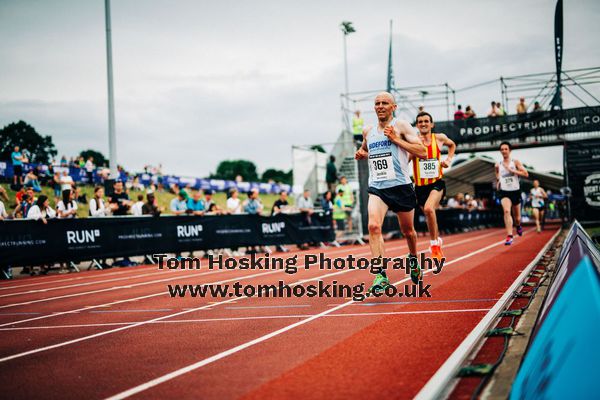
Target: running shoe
[[509, 240], [519, 230], [379, 284], [436, 252], [416, 273]]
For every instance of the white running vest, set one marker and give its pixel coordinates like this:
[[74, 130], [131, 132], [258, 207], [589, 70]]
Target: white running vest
[[388, 163], [509, 182]]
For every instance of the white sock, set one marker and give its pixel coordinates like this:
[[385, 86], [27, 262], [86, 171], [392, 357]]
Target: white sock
[[433, 242]]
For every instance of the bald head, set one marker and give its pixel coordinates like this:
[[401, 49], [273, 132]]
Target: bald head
[[386, 95]]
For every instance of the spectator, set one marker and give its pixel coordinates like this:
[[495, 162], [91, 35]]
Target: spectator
[[3, 214], [281, 205], [469, 113], [3, 194], [327, 201], [63, 161], [339, 212], [136, 208], [31, 194], [178, 205], [56, 185], [306, 207], [421, 108], [32, 181], [357, 126], [208, 199], [119, 202], [521, 106], [78, 196], [97, 204], [331, 173], [66, 182], [136, 184], [80, 162], [493, 111], [537, 107], [23, 207], [233, 202], [459, 114], [471, 203], [17, 159], [253, 205], [89, 170], [67, 207], [150, 207], [348, 199], [195, 204], [501, 110], [456, 201], [19, 195], [41, 210]]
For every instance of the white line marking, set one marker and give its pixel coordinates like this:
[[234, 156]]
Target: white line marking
[[188, 321], [236, 349]]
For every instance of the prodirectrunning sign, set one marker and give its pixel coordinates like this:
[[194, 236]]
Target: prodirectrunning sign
[[24, 242], [573, 120]]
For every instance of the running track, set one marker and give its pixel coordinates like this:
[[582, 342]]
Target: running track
[[118, 334]]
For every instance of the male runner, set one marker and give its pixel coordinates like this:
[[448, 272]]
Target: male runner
[[427, 172], [387, 146], [509, 190]]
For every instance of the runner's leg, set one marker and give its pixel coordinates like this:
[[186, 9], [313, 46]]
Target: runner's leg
[[508, 221], [376, 209], [432, 203], [406, 220]]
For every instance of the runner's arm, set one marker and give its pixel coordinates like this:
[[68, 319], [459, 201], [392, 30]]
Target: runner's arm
[[363, 151], [497, 172], [520, 170], [404, 136], [445, 140]]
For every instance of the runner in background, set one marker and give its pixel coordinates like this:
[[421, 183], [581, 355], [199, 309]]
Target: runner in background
[[427, 172], [509, 190], [538, 202]]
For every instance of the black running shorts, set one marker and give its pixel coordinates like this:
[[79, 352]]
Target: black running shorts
[[424, 191], [399, 198], [513, 195]]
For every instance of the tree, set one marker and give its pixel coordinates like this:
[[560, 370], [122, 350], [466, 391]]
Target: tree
[[99, 158], [277, 175], [319, 148], [229, 169], [40, 148]]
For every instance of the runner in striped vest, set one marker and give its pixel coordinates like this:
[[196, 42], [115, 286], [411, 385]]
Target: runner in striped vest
[[427, 173]]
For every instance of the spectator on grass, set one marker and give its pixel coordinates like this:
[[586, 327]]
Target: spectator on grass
[[17, 159], [179, 204], [253, 204], [66, 182], [41, 210], [23, 207], [78, 195], [195, 204], [97, 204], [89, 170], [521, 106], [281, 205], [151, 207], [459, 114], [67, 206], [208, 199], [234, 205], [3, 194], [136, 208], [119, 202], [56, 186], [19, 195], [31, 194], [3, 214], [31, 180], [469, 113]]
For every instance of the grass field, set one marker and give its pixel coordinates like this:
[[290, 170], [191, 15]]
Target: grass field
[[164, 199]]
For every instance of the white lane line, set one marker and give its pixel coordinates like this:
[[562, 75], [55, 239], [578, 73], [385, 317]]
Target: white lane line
[[267, 307], [243, 346], [162, 293], [203, 320]]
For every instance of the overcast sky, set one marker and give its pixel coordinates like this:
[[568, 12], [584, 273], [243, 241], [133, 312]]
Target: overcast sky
[[197, 82]]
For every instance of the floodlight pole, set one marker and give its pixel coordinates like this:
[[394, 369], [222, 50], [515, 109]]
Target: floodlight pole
[[346, 72], [112, 140]]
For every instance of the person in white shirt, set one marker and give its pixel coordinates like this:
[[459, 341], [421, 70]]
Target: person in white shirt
[[89, 170], [41, 210], [66, 182], [97, 204], [67, 207], [136, 208], [234, 205], [3, 214]]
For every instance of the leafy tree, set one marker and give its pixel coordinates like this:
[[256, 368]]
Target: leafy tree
[[318, 148], [99, 158], [229, 169], [277, 175], [40, 148]]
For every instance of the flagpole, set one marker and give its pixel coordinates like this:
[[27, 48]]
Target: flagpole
[[112, 140]]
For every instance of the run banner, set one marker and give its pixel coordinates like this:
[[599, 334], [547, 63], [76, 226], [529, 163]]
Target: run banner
[[28, 242]]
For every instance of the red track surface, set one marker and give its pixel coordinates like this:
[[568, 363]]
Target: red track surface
[[104, 333]]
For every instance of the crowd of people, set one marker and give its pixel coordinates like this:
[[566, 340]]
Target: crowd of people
[[496, 110]]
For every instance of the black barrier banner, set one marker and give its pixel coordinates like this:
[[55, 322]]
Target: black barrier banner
[[543, 123], [583, 172], [27, 242], [450, 220]]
